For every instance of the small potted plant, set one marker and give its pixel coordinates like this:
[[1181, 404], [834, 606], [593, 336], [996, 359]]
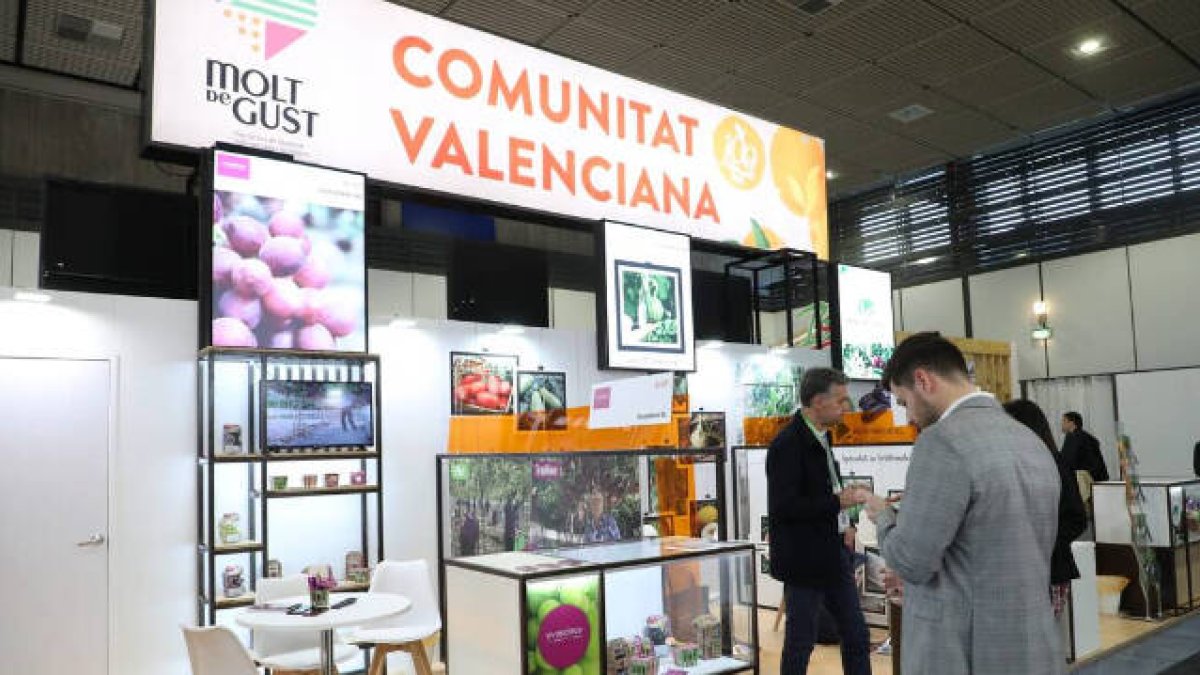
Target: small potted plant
[[318, 591]]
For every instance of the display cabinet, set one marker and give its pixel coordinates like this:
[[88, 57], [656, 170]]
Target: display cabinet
[[1172, 520], [288, 470], [670, 605], [749, 466]]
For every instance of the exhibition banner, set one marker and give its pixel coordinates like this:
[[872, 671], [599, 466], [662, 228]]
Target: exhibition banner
[[632, 402], [414, 100]]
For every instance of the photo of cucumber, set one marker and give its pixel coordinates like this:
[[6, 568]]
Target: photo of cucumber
[[541, 401]]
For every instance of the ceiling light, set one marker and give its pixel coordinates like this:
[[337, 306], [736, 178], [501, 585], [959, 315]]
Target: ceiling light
[[910, 113], [1090, 47], [780, 351], [27, 296], [712, 344], [830, 174], [512, 330], [926, 260]]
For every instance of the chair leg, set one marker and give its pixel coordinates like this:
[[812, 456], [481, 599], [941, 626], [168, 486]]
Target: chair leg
[[779, 613], [420, 658], [379, 659]]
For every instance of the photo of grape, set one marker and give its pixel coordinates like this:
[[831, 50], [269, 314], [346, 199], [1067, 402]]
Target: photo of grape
[[287, 274], [562, 626]]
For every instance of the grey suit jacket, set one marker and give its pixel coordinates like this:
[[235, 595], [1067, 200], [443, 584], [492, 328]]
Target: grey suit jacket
[[973, 542]]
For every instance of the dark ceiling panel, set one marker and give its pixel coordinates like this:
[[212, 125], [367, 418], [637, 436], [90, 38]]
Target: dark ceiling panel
[[590, 42]]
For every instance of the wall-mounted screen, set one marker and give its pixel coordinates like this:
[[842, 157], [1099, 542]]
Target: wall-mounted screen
[[645, 312], [288, 257], [865, 315], [318, 414]]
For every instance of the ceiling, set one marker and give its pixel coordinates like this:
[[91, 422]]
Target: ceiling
[[994, 72]]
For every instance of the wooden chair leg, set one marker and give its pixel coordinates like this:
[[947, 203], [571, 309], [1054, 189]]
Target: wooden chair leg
[[379, 659], [779, 613], [420, 658]]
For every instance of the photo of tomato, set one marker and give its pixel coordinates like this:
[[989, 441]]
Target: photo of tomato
[[481, 384]]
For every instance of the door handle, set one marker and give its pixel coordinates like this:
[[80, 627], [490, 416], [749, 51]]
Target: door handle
[[94, 540]]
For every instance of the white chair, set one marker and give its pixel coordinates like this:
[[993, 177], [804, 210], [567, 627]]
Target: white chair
[[291, 653], [409, 631], [217, 651]]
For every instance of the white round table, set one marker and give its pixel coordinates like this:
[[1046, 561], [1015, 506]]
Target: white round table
[[367, 608]]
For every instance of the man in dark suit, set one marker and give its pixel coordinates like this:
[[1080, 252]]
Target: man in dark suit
[[810, 531], [1081, 450]]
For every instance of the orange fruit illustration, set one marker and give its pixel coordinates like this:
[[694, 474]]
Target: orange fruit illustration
[[798, 169], [739, 152]]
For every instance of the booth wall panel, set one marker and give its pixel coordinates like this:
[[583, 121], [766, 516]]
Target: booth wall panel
[[152, 525], [1002, 309], [1158, 411], [572, 310], [897, 311], [6, 257], [1088, 299], [26, 249], [935, 307], [1166, 305]]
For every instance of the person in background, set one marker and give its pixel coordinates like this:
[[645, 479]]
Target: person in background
[[811, 537], [1072, 517], [600, 525], [973, 542], [1081, 450]]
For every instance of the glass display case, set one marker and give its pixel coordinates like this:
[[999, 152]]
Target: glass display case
[[1172, 519], [672, 605]]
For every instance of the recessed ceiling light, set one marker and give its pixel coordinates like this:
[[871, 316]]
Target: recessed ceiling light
[[512, 330], [1090, 47], [910, 113], [401, 323]]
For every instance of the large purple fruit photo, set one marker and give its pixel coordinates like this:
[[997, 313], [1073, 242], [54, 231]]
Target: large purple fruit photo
[[287, 274]]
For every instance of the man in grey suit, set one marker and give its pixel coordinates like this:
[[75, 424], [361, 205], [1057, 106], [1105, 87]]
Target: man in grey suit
[[974, 538]]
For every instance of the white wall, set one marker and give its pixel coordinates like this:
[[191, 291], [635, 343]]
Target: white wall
[[1165, 279], [1088, 301], [934, 307], [1158, 411], [152, 523], [1001, 309], [19, 259], [572, 310]]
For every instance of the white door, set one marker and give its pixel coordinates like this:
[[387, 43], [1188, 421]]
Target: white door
[[54, 445]]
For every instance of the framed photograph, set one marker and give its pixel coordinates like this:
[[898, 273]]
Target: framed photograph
[[650, 300], [848, 482], [764, 528], [702, 431], [645, 312], [541, 401], [481, 384]]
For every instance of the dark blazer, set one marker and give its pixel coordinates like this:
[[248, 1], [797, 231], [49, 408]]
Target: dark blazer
[[805, 546], [1081, 451], [1072, 521]]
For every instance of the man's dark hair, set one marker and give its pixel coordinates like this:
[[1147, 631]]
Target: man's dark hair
[[1075, 418], [929, 351], [818, 381]]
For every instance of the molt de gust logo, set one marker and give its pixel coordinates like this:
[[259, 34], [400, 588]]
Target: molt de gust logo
[[258, 31]]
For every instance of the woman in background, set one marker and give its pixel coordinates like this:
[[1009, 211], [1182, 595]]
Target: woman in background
[[1072, 518]]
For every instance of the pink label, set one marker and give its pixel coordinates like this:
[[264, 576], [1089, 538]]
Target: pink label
[[547, 469], [602, 398], [563, 636], [232, 166]]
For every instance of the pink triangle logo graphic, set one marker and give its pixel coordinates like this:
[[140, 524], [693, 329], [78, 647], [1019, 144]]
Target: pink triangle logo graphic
[[279, 36]]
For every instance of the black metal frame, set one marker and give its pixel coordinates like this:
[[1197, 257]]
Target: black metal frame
[[258, 362], [790, 261]]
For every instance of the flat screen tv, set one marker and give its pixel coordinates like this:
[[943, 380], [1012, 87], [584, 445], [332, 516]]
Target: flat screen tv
[[865, 316], [108, 239], [309, 415]]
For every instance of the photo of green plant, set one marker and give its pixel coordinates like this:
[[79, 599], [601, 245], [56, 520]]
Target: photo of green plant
[[649, 300]]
